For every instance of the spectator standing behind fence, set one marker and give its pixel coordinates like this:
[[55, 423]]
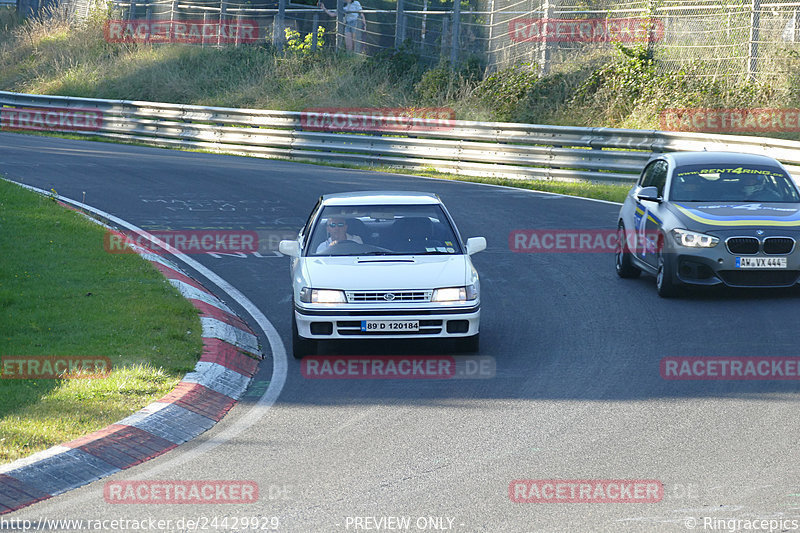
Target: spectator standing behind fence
[[354, 22]]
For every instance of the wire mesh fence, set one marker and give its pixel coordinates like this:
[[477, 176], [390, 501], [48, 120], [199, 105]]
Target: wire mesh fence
[[709, 38]]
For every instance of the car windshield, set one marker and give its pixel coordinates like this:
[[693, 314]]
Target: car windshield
[[383, 230], [732, 183]]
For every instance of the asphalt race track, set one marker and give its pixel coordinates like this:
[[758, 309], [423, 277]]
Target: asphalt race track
[[577, 393]]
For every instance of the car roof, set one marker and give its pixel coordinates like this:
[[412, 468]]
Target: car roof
[[380, 198], [718, 158]]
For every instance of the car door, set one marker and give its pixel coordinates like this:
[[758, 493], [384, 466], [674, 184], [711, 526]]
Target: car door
[[647, 216]]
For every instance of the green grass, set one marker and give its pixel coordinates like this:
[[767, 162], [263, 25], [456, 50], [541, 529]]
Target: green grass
[[61, 293]]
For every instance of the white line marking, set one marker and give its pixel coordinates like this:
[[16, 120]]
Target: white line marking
[[258, 411]]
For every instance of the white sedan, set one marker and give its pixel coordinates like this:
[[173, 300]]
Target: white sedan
[[370, 265]]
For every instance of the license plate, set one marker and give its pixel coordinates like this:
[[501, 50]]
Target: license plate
[[371, 326], [761, 262]]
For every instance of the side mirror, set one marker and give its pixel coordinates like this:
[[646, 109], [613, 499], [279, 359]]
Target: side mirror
[[290, 248], [475, 245], [649, 194]]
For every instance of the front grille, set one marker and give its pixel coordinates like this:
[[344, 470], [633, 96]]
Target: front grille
[[388, 296], [353, 327], [759, 278], [778, 245], [742, 245]]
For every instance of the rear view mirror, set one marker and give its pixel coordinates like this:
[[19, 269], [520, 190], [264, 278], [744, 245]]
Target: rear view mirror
[[649, 194], [290, 248], [475, 245]]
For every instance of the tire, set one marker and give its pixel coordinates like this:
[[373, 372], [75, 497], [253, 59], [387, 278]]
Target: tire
[[665, 284], [300, 346], [469, 344], [622, 258]]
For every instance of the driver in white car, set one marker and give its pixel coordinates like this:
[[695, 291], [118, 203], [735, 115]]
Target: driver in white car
[[337, 232]]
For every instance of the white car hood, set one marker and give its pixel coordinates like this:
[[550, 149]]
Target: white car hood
[[386, 272]]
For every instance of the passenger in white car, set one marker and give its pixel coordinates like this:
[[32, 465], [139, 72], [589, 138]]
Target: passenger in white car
[[337, 232]]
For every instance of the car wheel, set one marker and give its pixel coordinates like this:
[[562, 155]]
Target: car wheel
[[623, 262], [301, 346], [665, 283], [469, 344]]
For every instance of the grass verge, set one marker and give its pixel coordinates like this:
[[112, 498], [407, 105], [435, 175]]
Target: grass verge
[[63, 294]]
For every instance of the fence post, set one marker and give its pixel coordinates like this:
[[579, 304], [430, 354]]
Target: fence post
[[131, 10], [398, 24], [278, 32], [314, 30], [172, 12], [339, 25], [456, 38], [148, 15], [544, 48], [755, 23], [223, 8], [443, 40], [424, 21], [205, 25], [489, 42], [238, 29]]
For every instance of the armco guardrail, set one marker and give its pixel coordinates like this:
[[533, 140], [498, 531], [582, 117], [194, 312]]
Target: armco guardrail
[[520, 151]]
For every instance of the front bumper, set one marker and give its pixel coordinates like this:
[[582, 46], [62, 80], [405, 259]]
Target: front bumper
[[434, 322], [717, 266]]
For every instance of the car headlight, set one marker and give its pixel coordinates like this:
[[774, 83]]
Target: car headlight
[[455, 294], [693, 239], [322, 296]]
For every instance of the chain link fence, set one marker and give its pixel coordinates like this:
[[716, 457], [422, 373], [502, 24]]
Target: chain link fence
[[712, 38]]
